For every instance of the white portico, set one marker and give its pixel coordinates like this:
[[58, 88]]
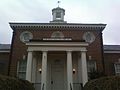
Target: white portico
[[57, 59]]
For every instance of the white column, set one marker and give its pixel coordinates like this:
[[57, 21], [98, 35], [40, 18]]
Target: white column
[[34, 70], [44, 71], [29, 66], [69, 71], [84, 67], [79, 68]]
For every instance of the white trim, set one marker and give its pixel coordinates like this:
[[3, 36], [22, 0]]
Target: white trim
[[5, 51], [57, 43], [47, 39], [111, 51], [56, 48], [116, 68]]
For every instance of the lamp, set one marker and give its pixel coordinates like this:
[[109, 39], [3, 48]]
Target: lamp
[[74, 70], [90, 57], [40, 70]]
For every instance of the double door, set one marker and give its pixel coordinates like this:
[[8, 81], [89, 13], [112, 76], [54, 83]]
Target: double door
[[57, 74]]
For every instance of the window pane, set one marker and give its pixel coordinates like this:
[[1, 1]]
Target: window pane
[[2, 68], [22, 69], [22, 75], [117, 68], [58, 15], [91, 65]]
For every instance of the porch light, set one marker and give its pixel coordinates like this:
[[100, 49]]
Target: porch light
[[40, 70], [74, 70]]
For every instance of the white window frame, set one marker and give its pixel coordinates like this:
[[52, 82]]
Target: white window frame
[[117, 68], [18, 67], [88, 66]]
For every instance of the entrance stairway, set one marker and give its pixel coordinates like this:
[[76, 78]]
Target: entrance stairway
[[76, 86]]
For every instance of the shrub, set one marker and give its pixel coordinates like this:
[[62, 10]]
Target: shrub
[[104, 83], [94, 74], [10, 83]]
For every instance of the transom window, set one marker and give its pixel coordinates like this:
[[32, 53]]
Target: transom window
[[117, 68], [22, 69]]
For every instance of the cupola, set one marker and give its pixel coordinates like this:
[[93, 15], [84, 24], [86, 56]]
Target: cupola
[[58, 15]]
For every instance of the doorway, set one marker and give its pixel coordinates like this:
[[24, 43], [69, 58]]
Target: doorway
[[57, 74]]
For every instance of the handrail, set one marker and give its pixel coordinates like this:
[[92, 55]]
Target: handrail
[[78, 86], [81, 85], [70, 86], [43, 86]]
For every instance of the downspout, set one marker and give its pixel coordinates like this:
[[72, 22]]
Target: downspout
[[102, 53]]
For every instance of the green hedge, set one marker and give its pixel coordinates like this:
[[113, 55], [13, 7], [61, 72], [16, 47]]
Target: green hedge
[[10, 83], [104, 83]]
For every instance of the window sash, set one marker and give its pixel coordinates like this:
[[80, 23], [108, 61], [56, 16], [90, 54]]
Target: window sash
[[21, 69], [117, 68], [91, 66]]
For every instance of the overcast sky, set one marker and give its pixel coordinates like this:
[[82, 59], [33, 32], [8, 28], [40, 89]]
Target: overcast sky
[[77, 11]]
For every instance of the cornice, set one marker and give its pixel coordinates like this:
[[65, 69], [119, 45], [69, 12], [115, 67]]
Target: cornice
[[58, 25], [111, 51]]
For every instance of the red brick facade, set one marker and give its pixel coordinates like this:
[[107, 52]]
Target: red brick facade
[[95, 49], [4, 58], [110, 59]]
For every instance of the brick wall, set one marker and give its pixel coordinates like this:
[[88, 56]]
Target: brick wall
[[19, 48], [4, 61], [110, 59]]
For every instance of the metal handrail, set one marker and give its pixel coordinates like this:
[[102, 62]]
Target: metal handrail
[[43, 86], [78, 86], [37, 85], [70, 86]]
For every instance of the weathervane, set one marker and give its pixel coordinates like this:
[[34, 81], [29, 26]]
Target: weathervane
[[58, 3]]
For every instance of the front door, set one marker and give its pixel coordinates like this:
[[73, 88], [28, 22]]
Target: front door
[[57, 75]]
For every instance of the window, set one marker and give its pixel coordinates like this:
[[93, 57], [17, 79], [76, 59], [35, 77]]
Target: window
[[91, 65], [89, 37], [26, 36], [22, 69], [58, 14], [117, 68], [2, 65], [57, 34]]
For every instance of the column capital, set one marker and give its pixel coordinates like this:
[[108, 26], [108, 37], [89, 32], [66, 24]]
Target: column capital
[[83, 50], [68, 50], [29, 50], [44, 50]]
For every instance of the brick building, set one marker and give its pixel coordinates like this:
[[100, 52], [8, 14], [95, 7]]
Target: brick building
[[4, 58], [60, 55]]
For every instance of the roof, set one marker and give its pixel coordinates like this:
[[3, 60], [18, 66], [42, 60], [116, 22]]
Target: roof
[[5, 46], [111, 47], [17, 23], [58, 8], [78, 26]]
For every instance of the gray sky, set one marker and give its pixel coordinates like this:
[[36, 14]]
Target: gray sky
[[77, 11]]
